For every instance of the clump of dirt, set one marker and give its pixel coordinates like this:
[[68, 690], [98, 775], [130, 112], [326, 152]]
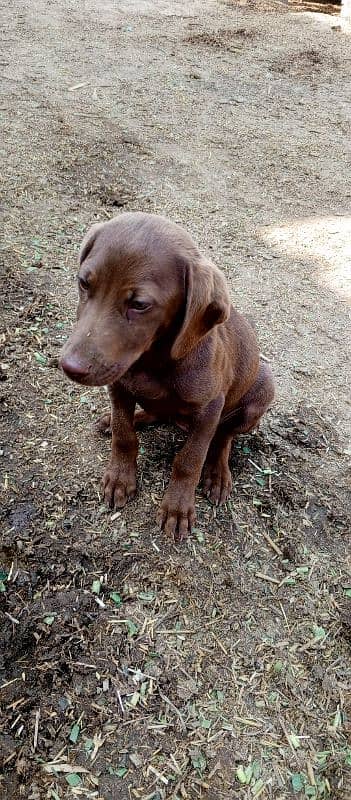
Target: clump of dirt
[[304, 63], [222, 39]]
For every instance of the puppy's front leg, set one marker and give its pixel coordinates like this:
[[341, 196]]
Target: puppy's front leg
[[177, 511], [119, 481]]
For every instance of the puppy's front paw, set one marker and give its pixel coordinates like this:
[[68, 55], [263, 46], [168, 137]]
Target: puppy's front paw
[[177, 512], [119, 484]]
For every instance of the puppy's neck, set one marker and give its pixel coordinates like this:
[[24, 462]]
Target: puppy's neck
[[158, 357]]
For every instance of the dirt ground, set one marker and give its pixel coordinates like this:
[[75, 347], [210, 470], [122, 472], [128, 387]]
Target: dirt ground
[[131, 667]]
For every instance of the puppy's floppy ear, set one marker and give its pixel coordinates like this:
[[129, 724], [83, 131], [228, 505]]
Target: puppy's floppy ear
[[207, 305], [88, 241]]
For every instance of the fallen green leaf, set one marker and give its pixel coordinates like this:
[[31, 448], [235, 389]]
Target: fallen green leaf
[[95, 587], [73, 779], [337, 722], [297, 781], [257, 786], [40, 358], [121, 772], [241, 774], [49, 619], [318, 632], [322, 757], [256, 769], [199, 762], [88, 745], [116, 598], [260, 481], [294, 740], [248, 773], [75, 730], [147, 597], [132, 627], [134, 700], [311, 791]]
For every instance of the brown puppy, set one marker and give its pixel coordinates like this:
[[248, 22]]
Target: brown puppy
[[156, 326]]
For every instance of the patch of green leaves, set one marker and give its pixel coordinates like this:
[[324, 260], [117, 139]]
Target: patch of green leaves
[[250, 775]]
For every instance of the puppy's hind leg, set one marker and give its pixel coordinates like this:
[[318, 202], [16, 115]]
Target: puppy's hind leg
[[217, 480], [254, 403], [103, 425], [143, 418]]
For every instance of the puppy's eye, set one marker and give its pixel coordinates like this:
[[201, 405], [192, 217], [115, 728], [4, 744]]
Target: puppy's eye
[[83, 285], [139, 305]]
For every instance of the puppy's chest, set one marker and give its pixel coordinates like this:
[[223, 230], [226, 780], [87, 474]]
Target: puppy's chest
[[143, 385], [173, 396]]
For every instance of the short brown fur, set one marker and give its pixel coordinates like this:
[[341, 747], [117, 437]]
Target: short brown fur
[[155, 325]]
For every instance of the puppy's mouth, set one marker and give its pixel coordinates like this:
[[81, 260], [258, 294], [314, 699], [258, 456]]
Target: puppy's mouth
[[93, 375]]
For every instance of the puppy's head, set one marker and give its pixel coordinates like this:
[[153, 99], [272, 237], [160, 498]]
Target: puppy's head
[[140, 278]]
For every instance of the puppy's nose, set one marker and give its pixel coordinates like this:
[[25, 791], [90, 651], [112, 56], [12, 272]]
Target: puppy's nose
[[76, 369]]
